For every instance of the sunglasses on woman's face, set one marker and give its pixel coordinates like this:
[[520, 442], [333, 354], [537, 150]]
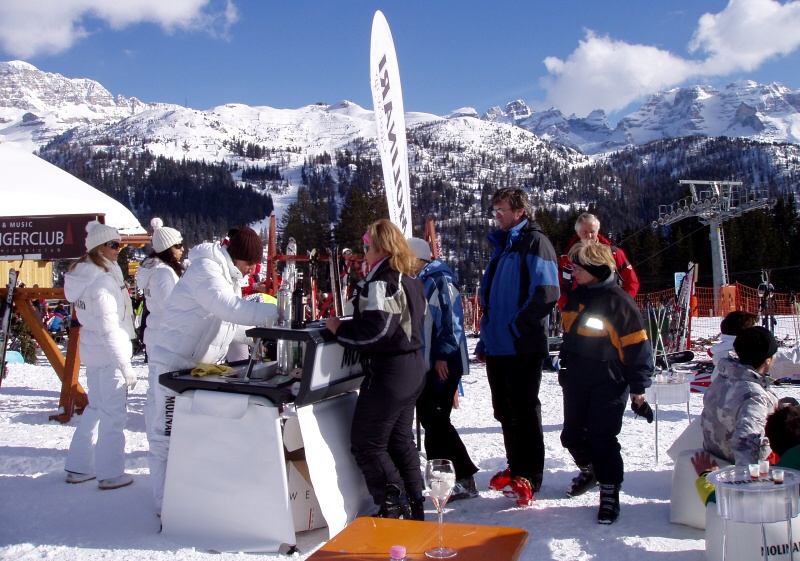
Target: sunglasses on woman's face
[[112, 244], [178, 246]]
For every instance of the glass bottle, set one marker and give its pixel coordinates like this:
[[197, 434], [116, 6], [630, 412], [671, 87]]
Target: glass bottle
[[284, 304], [298, 303]]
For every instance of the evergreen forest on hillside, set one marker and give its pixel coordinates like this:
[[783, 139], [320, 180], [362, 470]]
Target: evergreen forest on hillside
[[342, 193], [199, 199]]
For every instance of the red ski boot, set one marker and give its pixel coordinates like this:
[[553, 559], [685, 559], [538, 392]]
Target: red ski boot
[[500, 480], [520, 489]]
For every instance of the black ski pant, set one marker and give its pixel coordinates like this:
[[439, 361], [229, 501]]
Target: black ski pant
[[433, 411], [382, 435], [514, 381], [594, 404]]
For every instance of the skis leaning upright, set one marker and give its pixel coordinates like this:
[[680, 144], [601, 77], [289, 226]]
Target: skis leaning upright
[[6, 317]]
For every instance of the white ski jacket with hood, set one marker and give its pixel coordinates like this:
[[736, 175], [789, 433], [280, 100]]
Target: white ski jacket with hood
[[206, 312], [157, 280], [104, 310]]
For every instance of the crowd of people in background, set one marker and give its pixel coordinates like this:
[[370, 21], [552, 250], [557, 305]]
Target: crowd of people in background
[[408, 327]]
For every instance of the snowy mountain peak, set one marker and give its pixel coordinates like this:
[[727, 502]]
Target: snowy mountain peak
[[36, 106], [517, 110]]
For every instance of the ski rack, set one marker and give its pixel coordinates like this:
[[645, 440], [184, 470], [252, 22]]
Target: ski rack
[[656, 318], [680, 322]]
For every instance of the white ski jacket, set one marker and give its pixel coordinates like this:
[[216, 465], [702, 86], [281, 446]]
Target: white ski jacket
[[201, 316], [104, 310], [157, 280]]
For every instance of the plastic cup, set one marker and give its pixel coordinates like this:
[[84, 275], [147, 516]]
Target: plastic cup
[[680, 377], [777, 476], [763, 468], [754, 471]]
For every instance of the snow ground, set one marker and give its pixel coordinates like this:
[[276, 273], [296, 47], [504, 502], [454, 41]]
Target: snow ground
[[42, 517]]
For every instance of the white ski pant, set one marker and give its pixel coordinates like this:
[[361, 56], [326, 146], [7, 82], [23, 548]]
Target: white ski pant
[[98, 444], [158, 413]]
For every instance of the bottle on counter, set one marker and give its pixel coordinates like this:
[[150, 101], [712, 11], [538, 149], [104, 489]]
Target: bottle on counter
[[284, 304], [298, 303]]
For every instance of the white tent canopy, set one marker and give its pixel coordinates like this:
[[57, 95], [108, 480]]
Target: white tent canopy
[[31, 186]]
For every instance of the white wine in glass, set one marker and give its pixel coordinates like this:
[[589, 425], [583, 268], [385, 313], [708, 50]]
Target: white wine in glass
[[440, 476]]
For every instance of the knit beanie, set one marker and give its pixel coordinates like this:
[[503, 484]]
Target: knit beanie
[[163, 237], [246, 246], [98, 234], [755, 345], [421, 248]]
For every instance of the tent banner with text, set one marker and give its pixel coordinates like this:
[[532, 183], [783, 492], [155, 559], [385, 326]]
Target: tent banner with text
[[43, 238]]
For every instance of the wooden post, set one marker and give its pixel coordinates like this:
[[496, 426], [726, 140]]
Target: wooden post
[[73, 396], [272, 269], [430, 237]]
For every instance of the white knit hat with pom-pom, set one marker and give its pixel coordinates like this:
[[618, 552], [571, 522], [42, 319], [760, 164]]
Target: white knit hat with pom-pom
[[163, 237], [98, 234]]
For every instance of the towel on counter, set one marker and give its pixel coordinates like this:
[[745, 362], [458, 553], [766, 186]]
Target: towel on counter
[[204, 369]]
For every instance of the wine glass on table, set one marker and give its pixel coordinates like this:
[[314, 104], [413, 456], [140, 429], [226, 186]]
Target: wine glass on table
[[440, 477]]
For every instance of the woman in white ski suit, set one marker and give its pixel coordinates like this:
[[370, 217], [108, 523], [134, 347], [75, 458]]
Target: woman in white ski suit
[[203, 315], [157, 276], [94, 284]]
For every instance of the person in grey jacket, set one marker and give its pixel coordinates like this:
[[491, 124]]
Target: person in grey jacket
[[204, 313], [446, 361], [738, 402], [94, 284]]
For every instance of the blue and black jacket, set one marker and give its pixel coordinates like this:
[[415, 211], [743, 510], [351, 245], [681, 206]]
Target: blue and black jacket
[[444, 323], [518, 291]]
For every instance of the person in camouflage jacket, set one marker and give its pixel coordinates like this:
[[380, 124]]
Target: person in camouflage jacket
[[738, 401]]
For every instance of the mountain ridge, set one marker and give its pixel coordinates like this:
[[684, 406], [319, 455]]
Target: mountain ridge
[[37, 106]]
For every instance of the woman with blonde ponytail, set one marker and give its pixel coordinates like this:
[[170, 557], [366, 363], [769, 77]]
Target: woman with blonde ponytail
[[387, 331]]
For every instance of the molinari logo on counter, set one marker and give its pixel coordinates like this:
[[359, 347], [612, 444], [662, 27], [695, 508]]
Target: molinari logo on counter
[[44, 237]]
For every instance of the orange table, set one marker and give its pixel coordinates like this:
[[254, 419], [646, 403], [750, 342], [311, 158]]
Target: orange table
[[368, 539]]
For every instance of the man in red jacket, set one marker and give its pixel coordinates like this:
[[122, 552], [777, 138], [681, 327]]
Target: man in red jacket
[[587, 228]]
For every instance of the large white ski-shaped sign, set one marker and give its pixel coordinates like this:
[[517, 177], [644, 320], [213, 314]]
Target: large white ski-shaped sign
[[390, 120]]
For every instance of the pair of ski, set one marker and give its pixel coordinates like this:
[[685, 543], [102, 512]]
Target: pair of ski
[[6, 320]]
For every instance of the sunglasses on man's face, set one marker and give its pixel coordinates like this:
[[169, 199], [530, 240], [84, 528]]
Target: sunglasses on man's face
[[113, 244]]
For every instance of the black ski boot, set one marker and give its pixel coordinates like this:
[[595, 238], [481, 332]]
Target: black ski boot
[[584, 481], [416, 506], [395, 505], [609, 503]]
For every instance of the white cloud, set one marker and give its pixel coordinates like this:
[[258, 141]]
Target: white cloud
[[747, 33], [610, 74], [29, 28]]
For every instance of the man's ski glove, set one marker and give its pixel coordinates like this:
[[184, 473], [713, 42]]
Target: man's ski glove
[[130, 379], [643, 410]]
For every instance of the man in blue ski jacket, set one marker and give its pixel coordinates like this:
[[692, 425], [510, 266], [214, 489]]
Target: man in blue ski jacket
[[518, 291]]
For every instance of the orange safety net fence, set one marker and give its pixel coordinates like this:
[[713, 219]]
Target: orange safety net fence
[[709, 306]]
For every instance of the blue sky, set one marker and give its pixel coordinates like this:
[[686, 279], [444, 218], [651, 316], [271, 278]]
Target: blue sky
[[576, 55]]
